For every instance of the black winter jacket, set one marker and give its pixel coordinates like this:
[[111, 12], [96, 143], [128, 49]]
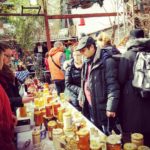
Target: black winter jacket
[[134, 111], [103, 85], [73, 82]]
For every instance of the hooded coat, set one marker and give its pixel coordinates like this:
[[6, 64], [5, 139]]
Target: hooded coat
[[134, 111], [103, 85]]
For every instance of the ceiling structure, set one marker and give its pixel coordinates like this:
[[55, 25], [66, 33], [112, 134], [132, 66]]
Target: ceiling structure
[[41, 10]]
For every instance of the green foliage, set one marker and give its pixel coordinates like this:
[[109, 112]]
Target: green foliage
[[27, 30]]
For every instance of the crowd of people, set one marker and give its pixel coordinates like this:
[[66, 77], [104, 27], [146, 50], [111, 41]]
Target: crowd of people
[[98, 78]]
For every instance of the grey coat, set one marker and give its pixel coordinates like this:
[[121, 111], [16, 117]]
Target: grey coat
[[103, 85], [134, 111]]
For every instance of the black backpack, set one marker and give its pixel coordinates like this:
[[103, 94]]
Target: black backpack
[[141, 73]]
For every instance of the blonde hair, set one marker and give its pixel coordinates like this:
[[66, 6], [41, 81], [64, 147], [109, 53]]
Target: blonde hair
[[104, 38]]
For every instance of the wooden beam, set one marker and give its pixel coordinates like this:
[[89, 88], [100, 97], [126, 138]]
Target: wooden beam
[[65, 16], [19, 15], [69, 16]]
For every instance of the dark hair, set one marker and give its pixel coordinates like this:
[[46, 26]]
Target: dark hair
[[90, 42], [3, 46], [137, 33]]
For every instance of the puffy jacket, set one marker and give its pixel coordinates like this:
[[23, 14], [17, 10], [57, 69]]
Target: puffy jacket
[[73, 81], [103, 85]]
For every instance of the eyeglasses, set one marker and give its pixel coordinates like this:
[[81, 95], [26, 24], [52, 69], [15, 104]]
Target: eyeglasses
[[8, 56]]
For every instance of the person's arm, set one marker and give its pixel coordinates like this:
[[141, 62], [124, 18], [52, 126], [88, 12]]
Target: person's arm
[[62, 60], [112, 85]]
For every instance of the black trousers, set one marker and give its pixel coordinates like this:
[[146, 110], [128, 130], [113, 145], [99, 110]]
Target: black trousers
[[60, 86]]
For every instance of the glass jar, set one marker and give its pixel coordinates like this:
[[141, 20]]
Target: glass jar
[[137, 139], [49, 99], [46, 120], [36, 139], [143, 148], [84, 138], [48, 110], [57, 133], [23, 111], [56, 105], [38, 118], [67, 119], [113, 142], [51, 125], [129, 146], [61, 110]]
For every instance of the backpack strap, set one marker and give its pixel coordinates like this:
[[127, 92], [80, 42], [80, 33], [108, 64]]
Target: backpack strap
[[55, 63]]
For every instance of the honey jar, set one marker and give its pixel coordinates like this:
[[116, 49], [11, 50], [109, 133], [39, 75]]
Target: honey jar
[[95, 146], [48, 110], [23, 111], [67, 119], [137, 139], [61, 110], [56, 105], [113, 142], [49, 99], [51, 125], [36, 136], [38, 118], [84, 138], [143, 148], [46, 120], [129, 146], [57, 133]]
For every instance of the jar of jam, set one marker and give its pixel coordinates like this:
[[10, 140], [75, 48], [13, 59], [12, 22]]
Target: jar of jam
[[56, 105], [38, 118], [137, 139], [113, 142], [84, 138], [51, 125], [129, 146], [48, 110]]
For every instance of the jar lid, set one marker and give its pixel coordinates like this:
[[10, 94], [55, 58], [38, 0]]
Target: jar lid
[[137, 136], [37, 112], [113, 139], [95, 146], [52, 123], [129, 146], [143, 148], [35, 132], [83, 131], [57, 131], [67, 114]]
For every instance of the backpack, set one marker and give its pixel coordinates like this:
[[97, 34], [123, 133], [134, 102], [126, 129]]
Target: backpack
[[141, 73]]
